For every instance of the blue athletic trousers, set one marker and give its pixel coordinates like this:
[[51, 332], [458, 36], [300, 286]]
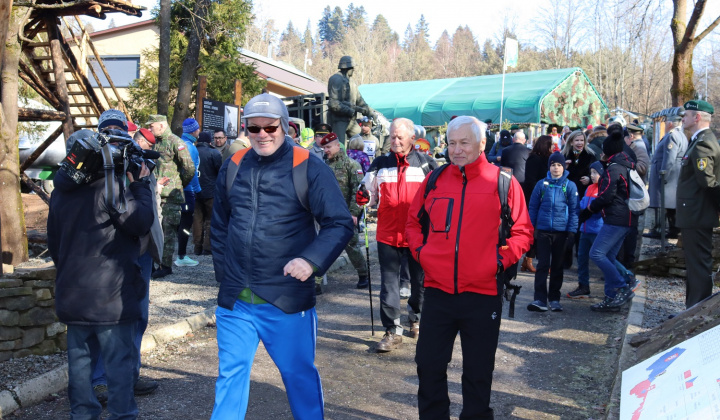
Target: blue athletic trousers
[[289, 340]]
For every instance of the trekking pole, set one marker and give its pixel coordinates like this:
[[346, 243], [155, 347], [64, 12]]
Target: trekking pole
[[367, 256]]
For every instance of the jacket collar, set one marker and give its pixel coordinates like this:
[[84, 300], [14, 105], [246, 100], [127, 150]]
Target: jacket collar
[[472, 170], [280, 152]]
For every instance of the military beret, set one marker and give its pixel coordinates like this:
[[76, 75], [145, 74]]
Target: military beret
[[322, 129], [156, 118], [635, 128], [328, 138], [698, 105]]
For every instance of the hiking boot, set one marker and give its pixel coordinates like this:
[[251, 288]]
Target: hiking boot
[[404, 292], [362, 282], [101, 393], [605, 306], [555, 306], [415, 330], [161, 272], [145, 387], [582, 292], [390, 341], [527, 265], [537, 306], [673, 233], [198, 250], [186, 261], [633, 283], [624, 295]]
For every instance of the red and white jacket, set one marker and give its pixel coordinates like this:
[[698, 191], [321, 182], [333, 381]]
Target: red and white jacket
[[392, 180], [460, 254]]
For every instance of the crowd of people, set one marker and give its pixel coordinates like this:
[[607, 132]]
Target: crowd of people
[[275, 215]]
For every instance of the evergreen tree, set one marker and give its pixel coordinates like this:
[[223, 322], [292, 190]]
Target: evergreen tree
[[354, 17], [381, 29], [324, 25]]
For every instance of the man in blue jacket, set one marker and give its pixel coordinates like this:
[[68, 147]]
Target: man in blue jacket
[[98, 287], [265, 248]]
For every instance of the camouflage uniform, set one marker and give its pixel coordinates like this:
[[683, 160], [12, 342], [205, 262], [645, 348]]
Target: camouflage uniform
[[176, 164], [349, 174]]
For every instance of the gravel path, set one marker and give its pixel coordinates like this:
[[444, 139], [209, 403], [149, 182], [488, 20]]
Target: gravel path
[[191, 290]]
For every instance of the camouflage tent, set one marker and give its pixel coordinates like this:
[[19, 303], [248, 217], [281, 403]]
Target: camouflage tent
[[562, 97]]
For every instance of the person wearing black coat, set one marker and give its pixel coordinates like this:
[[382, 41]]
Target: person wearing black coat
[[612, 203], [210, 162], [515, 156], [98, 285], [578, 159]]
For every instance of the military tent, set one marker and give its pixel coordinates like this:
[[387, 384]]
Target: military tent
[[561, 96]]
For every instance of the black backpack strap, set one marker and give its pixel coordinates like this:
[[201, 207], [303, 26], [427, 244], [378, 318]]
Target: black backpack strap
[[506, 222], [423, 215]]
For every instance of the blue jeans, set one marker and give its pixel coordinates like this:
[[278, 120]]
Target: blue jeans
[[586, 242], [115, 343], [289, 340], [603, 252], [145, 262]]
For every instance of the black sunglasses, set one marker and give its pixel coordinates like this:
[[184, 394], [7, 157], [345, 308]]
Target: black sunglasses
[[268, 129]]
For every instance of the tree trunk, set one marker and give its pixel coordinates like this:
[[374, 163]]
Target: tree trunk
[[190, 67], [164, 59], [5, 9], [14, 240], [683, 87]]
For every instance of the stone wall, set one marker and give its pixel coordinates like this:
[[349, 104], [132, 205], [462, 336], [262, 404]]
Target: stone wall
[[672, 263], [28, 324]]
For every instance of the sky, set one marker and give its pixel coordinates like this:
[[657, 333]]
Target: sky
[[485, 18]]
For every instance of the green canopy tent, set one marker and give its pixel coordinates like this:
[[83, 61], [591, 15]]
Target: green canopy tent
[[562, 97]]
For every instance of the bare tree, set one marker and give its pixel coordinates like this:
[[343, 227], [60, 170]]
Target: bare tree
[[14, 239], [190, 65], [684, 42], [163, 95]]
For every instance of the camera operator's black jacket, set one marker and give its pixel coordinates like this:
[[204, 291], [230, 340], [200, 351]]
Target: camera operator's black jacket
[[96, 251]]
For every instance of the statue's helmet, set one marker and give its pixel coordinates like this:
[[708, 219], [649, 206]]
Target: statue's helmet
[[346, 62]]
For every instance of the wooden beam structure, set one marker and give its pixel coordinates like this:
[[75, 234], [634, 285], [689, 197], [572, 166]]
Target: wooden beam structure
[[30, 114], [40, 149]]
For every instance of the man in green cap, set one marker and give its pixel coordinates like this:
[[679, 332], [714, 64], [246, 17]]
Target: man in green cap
[[175, 169], [698, 199]]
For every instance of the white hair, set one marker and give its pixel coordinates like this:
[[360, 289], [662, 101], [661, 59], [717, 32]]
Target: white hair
[[477, 127], [404, 122]]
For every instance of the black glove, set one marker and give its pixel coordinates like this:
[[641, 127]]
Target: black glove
[[584, 216], [500, 268], [570, 241]]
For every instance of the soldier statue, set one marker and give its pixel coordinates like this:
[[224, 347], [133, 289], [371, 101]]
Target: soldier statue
[[345, 102]]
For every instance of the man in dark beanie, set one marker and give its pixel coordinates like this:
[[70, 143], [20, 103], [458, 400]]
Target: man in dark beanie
[[612, 201]]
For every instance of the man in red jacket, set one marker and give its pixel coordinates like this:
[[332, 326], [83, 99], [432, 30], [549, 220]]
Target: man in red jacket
[[393, 180], [461, 259]]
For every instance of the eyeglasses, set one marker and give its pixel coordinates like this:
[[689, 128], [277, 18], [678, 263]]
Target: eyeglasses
[[268, 129]]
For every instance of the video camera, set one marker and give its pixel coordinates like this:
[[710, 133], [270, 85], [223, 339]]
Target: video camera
[[96, 155]]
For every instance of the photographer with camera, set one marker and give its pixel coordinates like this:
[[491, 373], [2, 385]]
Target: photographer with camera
[[95, 226], [175, 170]]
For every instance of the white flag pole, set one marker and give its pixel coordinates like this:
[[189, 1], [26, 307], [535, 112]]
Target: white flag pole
[[502, 91]]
